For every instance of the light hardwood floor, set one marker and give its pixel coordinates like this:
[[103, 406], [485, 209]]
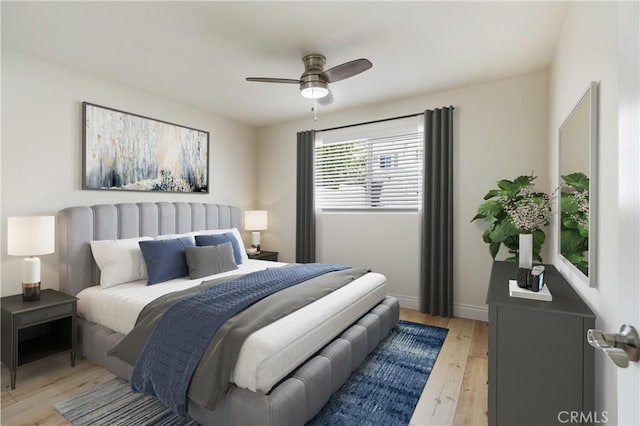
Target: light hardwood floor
[[456, 392]]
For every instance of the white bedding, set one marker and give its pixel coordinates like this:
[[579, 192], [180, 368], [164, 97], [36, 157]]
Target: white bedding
[[268, 354], [118, 307]]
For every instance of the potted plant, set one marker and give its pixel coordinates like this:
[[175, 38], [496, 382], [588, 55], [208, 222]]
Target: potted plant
[[511, 210], [574, 219]]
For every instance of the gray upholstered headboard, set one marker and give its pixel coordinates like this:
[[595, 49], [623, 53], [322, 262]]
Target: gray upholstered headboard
[[77, 226]]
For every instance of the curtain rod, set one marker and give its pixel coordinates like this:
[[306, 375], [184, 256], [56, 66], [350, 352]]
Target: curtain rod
[[371, 122]]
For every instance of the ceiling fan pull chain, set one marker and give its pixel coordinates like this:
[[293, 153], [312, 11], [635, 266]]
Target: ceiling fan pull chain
[[314, 108]]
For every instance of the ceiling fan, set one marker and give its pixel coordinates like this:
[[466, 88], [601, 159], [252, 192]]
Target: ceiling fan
[[314, 81]]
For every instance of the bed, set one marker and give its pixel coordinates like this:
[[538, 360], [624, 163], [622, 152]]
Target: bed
[[285, 371]]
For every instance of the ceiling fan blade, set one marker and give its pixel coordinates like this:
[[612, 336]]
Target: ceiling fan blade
[[326, 100], [346, 70], [273, 80]]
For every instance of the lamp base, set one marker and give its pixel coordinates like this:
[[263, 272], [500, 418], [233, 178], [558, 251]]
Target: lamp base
[[30, 291], [255, 240]]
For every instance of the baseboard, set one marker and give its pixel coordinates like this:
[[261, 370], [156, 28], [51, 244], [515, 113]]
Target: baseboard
[[479, 313], [408, 302], [460, 310]]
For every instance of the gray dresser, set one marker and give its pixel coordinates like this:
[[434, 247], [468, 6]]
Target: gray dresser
[[541, 367]]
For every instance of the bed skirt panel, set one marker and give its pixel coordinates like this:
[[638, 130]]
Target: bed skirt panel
[[297, 398]]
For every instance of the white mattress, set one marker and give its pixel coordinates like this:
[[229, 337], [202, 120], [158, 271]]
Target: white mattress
[[268, 354], [272, 352]]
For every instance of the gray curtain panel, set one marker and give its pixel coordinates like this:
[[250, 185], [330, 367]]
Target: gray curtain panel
[[305, 208], [436, 266]]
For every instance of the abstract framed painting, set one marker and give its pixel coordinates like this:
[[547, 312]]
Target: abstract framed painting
[[128, 152]]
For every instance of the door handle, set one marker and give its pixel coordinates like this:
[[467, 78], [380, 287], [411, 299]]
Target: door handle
[[621, 347]]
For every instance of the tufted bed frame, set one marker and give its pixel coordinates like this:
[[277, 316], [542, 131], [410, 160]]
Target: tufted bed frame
[[296, 399]]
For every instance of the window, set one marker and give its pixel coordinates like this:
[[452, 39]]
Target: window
[[373, 166], [386, 161]]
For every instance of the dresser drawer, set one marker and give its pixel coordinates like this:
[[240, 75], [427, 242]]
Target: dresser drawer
[[45, 315]]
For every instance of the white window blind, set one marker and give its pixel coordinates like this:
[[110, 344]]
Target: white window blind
[[375, 166]]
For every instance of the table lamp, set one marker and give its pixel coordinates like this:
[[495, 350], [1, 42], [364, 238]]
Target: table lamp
[[256, 221], [30, 236]]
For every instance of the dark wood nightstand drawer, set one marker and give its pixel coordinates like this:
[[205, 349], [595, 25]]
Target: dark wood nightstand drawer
[[44, 315], [265, 255]]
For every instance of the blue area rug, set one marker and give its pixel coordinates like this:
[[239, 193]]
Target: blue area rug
[[386, 388], [383, 391]]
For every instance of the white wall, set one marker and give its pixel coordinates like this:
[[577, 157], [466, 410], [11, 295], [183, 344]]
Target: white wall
[[500, 131], [588, 49], [42, 148], [386, 243]]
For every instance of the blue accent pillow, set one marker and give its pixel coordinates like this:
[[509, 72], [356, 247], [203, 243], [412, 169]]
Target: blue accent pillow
[[217, 239], [165, 259]]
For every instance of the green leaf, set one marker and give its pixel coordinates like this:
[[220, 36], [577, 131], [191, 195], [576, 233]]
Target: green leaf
[[502, 230], [570, 242], [512, 243], [583, 231], [492, 193], [478, 216], [489, 209], [575, 258], [569, 223], [494, 248], [524, 181], [538, 238], [505, 185], [578, 181], [486, 236], [568, 205]]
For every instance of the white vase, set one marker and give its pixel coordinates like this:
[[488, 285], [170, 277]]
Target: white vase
[[525, 251]]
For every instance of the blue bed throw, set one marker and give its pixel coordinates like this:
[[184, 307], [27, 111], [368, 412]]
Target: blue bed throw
[[175, 347]]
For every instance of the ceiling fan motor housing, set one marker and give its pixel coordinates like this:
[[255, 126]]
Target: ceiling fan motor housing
[[314, 63], [312, 85]]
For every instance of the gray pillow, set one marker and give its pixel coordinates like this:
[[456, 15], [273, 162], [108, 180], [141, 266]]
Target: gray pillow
[[210, 260]]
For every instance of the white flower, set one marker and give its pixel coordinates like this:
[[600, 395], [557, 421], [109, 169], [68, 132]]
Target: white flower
[[528, 210], [581, 199]]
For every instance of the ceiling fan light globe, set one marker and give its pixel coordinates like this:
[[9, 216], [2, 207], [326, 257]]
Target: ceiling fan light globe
[[312, 87], [314, 92]]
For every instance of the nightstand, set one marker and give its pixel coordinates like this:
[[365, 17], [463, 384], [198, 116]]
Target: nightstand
[[265, 255], [36, 329]]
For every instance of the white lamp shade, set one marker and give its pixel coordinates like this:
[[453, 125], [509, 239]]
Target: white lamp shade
[[255, 220], [31, 235]]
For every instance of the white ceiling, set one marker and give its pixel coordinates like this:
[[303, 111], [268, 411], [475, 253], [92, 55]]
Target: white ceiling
[[200, 52]]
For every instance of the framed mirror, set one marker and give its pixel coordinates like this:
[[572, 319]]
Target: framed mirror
[[578, 142]]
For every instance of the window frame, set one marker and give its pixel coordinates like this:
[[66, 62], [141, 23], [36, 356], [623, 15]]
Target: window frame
[[391, 160]]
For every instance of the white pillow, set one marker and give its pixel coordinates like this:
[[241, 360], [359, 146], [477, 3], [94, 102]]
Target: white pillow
[[191, 235], [235, 233], [120, 261]]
